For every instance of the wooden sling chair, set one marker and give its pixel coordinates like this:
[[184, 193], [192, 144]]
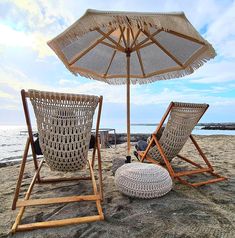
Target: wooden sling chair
[[64, 124], [183, 117]]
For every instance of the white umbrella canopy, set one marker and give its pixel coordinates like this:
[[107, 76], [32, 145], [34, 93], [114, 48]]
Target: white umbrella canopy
[[131, 47]]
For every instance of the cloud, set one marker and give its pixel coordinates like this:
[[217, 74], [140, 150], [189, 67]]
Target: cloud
[[221, 32], [11, 82], [144, 95], [220, 71], [35, 41]]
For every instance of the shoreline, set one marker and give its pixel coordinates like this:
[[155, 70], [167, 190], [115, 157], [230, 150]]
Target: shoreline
[[121, 139]]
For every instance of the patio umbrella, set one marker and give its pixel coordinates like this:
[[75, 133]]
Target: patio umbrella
[[131, 48]]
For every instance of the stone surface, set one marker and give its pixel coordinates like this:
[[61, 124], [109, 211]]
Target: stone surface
[[207, 211]]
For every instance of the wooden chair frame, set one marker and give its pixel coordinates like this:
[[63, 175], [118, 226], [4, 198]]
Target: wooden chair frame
[[178, 175], [22, 204]]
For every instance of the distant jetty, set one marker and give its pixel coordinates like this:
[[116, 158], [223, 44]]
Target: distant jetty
[[204, 126]]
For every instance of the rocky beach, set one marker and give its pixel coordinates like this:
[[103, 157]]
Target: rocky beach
[[207, 211]]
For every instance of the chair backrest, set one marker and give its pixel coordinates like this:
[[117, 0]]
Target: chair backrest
[[64, 124], [183, 117]]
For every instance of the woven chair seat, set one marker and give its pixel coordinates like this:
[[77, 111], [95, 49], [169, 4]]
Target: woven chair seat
[[143, 180], [64, 124]]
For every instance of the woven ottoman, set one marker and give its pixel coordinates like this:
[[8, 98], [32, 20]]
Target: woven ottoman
[[143, 180]]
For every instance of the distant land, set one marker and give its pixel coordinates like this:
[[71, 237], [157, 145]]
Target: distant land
[[205, 126]]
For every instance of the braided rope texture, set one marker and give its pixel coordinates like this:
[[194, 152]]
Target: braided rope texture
[[64, 124], [143, 180], [182, 119]]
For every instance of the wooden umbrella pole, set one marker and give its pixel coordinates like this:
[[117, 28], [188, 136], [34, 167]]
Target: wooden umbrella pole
[[128, 54], [128, 106]]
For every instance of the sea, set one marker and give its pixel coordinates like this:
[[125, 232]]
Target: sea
[[13, 139]]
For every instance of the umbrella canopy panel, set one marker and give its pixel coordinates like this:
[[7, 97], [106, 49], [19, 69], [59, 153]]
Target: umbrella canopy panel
[[162, 46], [130, 47]]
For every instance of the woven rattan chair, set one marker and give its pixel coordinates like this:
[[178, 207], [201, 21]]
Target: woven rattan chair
[[183, 117], [64, 124]]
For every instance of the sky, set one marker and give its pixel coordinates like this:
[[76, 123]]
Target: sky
[[27, 62]]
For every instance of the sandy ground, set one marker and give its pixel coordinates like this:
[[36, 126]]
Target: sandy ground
[[207, 211]]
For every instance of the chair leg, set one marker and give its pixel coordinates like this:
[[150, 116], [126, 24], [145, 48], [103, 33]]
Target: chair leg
[[22, 167], [27, 195], [166, 161], [100, 172], [201, 169], [201, 152], [98, 204], [22, 204]]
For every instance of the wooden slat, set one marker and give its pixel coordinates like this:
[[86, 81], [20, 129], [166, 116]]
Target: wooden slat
[[57, 223], [43, 201], [190, 172], [27, 195], [208, 182], [57, 180]]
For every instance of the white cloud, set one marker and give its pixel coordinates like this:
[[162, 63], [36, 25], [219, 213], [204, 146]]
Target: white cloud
[[221, 32], [13, 38], [11, 82], [214, 72]]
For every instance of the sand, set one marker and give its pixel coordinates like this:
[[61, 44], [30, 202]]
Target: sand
[[207, 211]]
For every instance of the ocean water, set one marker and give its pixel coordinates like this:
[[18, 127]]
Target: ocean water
[[12, 142]]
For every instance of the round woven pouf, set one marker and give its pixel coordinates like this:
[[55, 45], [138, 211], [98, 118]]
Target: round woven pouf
[[143, 180]]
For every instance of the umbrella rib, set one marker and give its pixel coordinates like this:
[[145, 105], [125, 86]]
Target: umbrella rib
[[145, 45], [135, 38], [186, 37], [119, 47], [109, 45], [138, 53], [195, 55], [163, 49], [114, 53], [140, 44], [122, 35], [79, 55], [163, 71]]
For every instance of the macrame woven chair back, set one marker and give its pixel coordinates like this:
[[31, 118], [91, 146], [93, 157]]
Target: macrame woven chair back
[[182, 119], [64, 124]]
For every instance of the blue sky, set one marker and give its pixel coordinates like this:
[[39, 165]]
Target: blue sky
[[27, 62]]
